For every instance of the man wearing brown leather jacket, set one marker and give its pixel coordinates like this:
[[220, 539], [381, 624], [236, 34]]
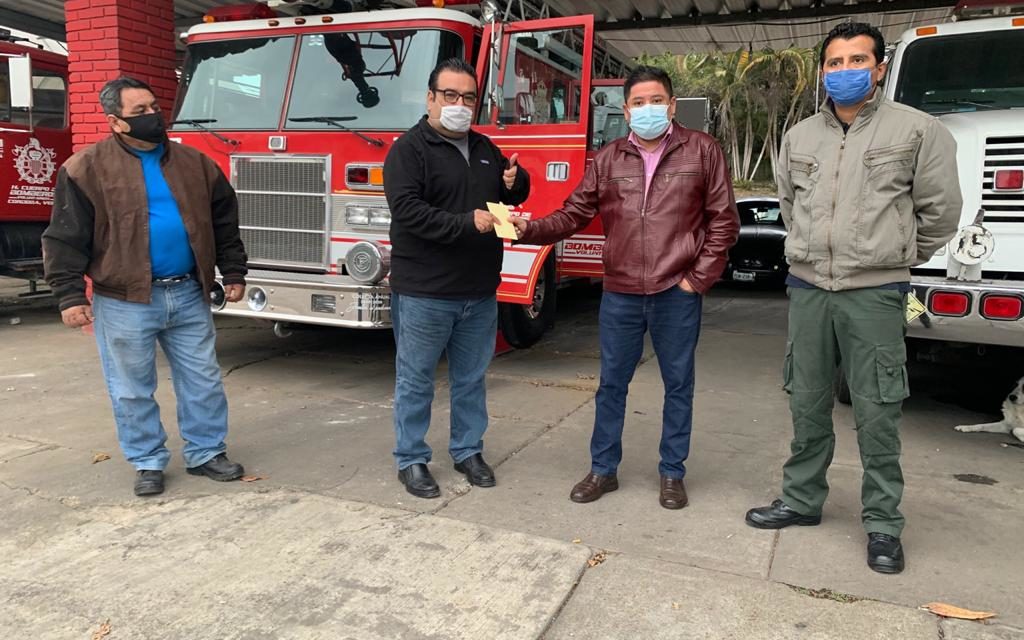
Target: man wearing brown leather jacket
[[665, 198]]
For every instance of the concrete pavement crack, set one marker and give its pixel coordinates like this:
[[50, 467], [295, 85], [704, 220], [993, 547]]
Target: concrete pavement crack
[[771, 556], [565, 601], [283, 354], [547, 429]]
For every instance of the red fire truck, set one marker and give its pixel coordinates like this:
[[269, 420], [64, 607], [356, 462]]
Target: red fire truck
[[35, 139], [300, 107]]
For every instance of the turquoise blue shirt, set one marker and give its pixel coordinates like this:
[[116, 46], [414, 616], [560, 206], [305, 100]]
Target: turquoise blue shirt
[[170, 254]]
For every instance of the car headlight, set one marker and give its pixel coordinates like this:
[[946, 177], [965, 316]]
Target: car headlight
[[256, 299], [368, 262]]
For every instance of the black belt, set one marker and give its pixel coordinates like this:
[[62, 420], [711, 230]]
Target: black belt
[[172, 279]]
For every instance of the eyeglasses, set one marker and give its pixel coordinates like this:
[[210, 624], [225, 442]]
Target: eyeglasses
[[452, 96]]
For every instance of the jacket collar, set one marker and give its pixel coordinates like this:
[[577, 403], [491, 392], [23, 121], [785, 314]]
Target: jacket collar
[[678, 136], [127, 149], [431, 134], [864, 115]]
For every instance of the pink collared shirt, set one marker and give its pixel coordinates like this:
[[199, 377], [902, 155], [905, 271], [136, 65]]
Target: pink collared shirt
[[651, 158]]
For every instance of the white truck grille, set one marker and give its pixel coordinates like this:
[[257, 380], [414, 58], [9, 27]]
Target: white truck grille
[[1002, 153], [283, 209]]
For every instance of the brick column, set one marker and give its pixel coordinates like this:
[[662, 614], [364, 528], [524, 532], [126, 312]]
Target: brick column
[[110, 38]]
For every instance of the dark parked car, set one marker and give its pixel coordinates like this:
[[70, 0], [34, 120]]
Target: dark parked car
[[759, 255]]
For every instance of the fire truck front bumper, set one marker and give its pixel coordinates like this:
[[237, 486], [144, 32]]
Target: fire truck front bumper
[[330, 300], [986, 312]]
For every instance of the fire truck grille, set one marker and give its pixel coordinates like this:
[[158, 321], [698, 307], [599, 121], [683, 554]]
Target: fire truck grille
[[1001, 154], [282, 209]]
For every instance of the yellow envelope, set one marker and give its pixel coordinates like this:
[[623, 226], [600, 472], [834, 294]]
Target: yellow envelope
[[505, 229]]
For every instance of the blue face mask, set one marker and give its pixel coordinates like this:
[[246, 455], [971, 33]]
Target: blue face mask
[[649, 121], [849, 86]]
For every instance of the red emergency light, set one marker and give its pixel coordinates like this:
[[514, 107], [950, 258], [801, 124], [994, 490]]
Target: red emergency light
[[441, 4], [230, 13], [968, 9], [1000, 307], [1009, 180], [949, 303]]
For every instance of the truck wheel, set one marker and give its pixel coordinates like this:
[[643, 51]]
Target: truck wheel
[[841, 387], [522, 324]]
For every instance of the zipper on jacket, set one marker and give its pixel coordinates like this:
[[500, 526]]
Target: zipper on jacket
[[835, 200]]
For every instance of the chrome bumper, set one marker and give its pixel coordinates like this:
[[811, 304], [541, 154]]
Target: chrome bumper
[[306, 299], [971, 328]]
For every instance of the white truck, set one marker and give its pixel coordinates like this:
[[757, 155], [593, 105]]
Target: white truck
[[969, 73]]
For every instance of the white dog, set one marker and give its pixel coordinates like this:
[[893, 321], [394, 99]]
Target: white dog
[[1013, 416]]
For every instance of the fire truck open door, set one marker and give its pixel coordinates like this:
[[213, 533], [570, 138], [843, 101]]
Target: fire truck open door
[[535, 86]]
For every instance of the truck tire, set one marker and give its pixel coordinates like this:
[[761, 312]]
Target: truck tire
[[523, 325], [842, 387]]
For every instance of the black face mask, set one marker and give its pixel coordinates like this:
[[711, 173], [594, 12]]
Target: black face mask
[[148, 127]]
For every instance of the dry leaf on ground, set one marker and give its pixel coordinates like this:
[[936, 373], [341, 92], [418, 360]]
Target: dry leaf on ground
[[253, 478], [949, 611], [597, 558], [103, 631], [577, 540], [100, 457]]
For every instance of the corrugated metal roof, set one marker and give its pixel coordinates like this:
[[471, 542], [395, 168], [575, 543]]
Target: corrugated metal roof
[[684, 34]]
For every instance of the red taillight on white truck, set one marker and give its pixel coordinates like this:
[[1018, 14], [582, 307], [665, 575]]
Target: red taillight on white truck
[[1009, 180], [949, 303], [1000, 307]]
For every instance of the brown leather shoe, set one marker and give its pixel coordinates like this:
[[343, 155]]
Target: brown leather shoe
[[593, 487], [673, 493]]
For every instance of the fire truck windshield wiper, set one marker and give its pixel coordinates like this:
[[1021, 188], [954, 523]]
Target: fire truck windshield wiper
[[201, 124], [336, 121]]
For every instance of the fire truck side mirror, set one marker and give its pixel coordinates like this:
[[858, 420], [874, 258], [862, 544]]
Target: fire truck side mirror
[[20, 70]]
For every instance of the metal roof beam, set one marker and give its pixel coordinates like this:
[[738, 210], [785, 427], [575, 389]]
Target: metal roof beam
[[775, 15], [32, 24]]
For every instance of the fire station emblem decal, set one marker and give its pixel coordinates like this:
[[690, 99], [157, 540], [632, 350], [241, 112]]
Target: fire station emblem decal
[[34, 163]]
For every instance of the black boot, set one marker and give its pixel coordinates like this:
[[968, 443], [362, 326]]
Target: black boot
[[418, 481], [777, 515], [885, 553], [477, 471], [219, 468], [149, 482]]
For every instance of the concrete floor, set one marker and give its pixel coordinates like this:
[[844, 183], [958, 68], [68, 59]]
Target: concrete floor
[[328, 545]]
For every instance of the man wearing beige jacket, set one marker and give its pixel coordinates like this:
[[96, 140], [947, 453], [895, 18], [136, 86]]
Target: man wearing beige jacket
[[868, 189]]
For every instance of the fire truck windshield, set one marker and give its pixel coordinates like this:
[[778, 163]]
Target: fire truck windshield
[[967, 72], [377, 79], [237, 84]]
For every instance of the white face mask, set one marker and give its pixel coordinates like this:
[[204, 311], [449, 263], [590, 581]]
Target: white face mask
[[456, 118]]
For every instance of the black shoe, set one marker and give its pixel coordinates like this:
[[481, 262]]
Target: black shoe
[[477, 471], [149, 482], [885, 553], [777, 515], [418, 481], [218, 468]]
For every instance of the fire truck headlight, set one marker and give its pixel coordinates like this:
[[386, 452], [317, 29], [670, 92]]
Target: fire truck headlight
[[380, 217], [218, 299], [257, 299], [368, 262], [357, 215]]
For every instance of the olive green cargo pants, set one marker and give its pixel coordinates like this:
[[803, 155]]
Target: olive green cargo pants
[[861, 330]]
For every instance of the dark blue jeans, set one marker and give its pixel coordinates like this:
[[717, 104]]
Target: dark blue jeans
[[673, 318], [424, 328]]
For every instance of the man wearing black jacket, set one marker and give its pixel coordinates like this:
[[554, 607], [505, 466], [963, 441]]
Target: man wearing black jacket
[[445, 270]]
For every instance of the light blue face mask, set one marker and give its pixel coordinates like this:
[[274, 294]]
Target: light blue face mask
[[649, 121], [849, 86]]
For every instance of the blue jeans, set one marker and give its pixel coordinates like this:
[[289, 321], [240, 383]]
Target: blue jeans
[[179, 318], [673, 318], [424, 328]]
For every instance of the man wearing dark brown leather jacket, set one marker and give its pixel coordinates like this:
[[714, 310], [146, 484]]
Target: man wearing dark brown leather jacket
[[665, 198]]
